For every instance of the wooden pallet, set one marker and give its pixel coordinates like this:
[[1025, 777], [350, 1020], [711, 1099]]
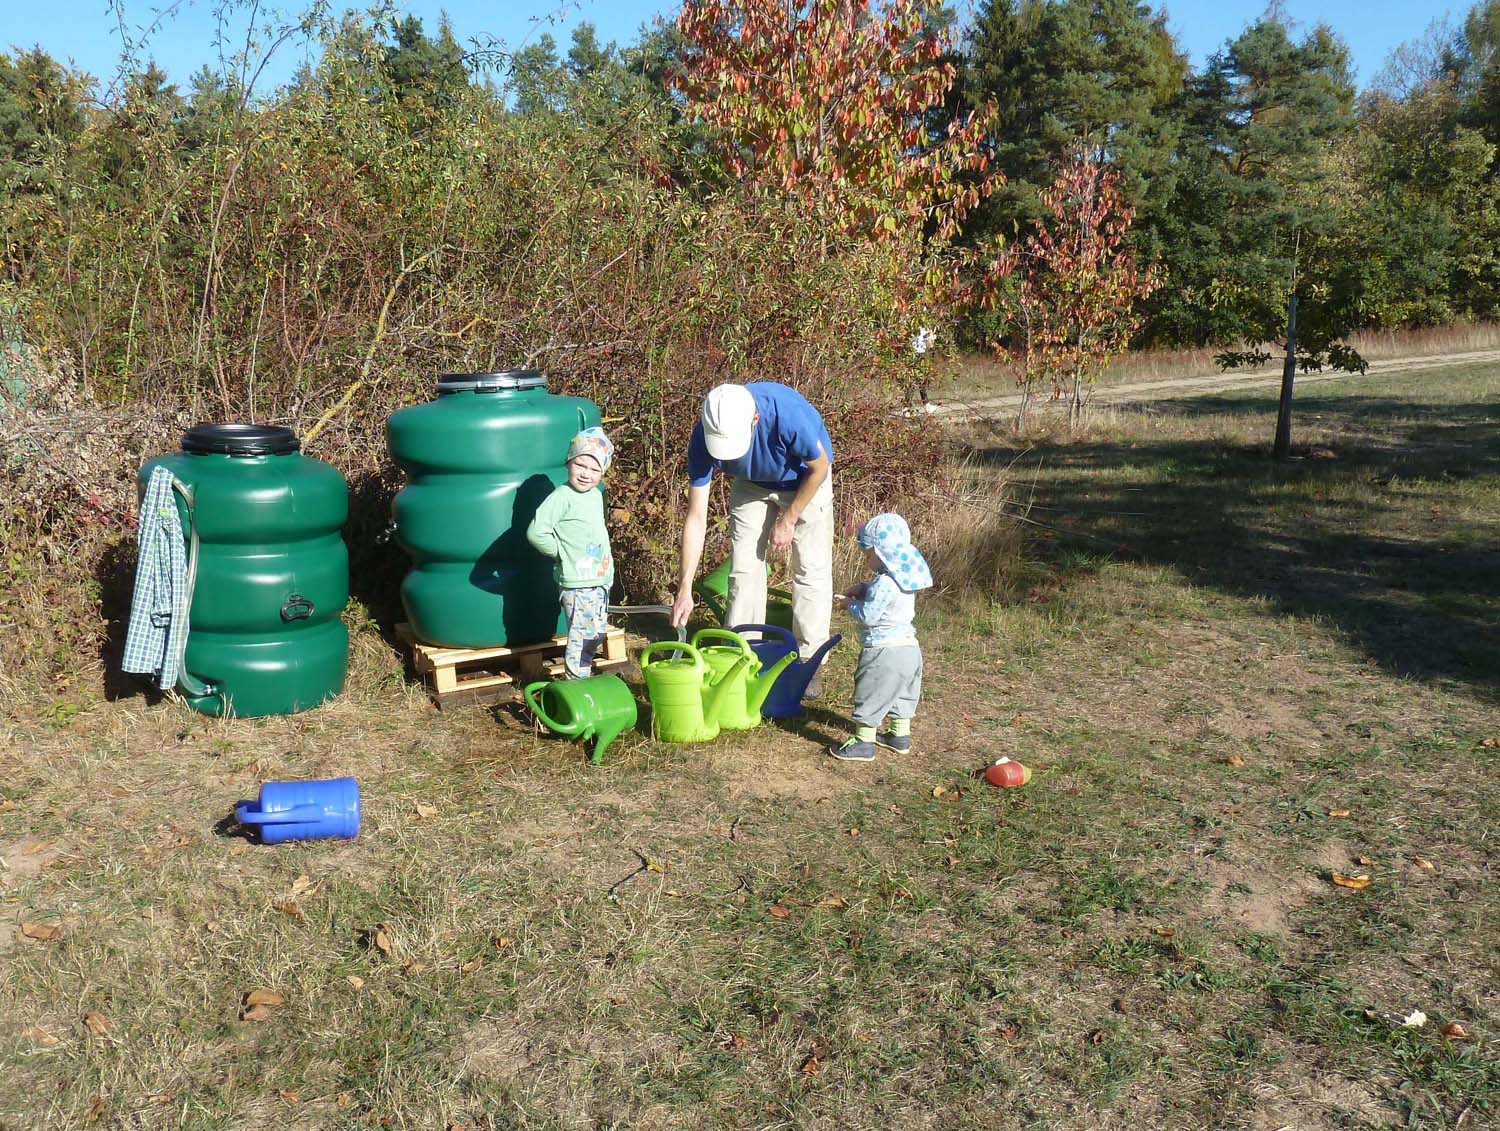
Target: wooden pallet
[[465, 675]]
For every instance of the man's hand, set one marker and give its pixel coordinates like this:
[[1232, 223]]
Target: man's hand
[[682, 608], [781, 534]]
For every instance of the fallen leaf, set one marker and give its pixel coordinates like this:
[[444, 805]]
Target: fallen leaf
[[7, 805], [95, 1109], [356, 981], [1233, 760], [1422, 862], [653, 866], [469, 967], [262, 996], [812, 1066], [1364, 861], [39, 1036], [673, 892], [617, 1002], [256, 1013], [381, 939], [739, 1042], [1455, 1032], [426, 811], [36, 848], [853, 832], [1164, 932], [1414, 1020], [287, 1097], [42, 932], [162, 1098], [301, 884], [97, 1024], [952, 861], [947, 792], [500, 942], [828, 903], [343, 1099], [777, 911], [1492, 741], [289, 907], [1354, 883], [1006, 1031], [896, 809], [1097, 1036], [1339, 812], [412, 966]]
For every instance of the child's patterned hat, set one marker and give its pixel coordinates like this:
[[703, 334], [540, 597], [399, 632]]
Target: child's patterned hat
[[592, 442], [890, 538]]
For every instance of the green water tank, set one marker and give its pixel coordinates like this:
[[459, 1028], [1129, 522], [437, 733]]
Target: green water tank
[[479, 460], [272, 573]]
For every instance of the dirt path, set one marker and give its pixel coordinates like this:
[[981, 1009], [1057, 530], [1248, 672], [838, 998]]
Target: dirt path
[[1205, 383]]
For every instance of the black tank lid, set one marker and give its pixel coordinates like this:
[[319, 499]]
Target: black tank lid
[[491, 382], [239, 440]]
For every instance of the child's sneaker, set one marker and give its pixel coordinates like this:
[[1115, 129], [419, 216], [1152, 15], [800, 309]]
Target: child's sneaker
[[853, 750], [900, 743]]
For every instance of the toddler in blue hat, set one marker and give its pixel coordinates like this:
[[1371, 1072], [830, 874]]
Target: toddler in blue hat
[[888, 680]]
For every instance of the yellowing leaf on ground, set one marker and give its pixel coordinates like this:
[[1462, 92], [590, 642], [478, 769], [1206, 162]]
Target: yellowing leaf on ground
[[1339, 812], [470, 966], [287, 1097], [1455, 1032], [1422, 862], [95, 1110], [1364, 861], [1493, 740], [739, 1042], [830, 903], [653, 866], [343, 1099], [853, 832], [500, 942], [812, 1066], [289, 907], [1234, 760], [426, 811], [947, 792], [43, 932], [412, 966], [301, 884], [1164, 932], [256, 1013], [381, 939], [356, 981], [1353, 883], [97, 1024], [263, 996], [777, 911]]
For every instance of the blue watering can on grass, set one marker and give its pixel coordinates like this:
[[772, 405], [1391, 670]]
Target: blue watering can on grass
[[303, 810], [774, 643]]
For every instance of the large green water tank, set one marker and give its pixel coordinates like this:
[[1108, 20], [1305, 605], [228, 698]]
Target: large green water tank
[[272, 575], [479, 460]]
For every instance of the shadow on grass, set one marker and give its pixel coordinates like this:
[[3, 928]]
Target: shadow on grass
[[1412, 577]]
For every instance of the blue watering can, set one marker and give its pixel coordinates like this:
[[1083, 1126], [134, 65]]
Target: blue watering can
[[303, 810], [774, 643]]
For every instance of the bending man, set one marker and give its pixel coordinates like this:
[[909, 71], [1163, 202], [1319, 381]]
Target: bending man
[[775, 447]]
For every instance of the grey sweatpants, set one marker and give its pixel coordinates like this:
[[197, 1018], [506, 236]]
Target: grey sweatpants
[[888, 681]]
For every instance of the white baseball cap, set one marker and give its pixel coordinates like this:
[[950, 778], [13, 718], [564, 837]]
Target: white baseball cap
[[728, 421]]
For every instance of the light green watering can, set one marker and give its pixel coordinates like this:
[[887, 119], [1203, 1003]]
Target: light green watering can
[[740, 709], [686, 694], [599, 707]]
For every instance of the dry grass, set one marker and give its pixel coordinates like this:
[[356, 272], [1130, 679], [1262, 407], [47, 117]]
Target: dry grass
[[1144, 936]]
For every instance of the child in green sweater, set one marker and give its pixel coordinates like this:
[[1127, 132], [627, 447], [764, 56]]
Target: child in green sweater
[[569, 528]]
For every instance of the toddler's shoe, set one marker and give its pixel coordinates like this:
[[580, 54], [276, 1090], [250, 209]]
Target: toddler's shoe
[[853, 750], [900, 743]]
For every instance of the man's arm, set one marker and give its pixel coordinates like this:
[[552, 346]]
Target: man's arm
[[694, 527], [817, 471]]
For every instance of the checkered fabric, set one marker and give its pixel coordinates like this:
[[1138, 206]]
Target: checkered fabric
[[159, 606]]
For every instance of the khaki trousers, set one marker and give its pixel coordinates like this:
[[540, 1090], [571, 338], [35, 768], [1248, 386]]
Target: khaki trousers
[[753, 511]]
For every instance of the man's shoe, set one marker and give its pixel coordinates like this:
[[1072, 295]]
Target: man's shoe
[[853, 750], [900, 743], [814, 688]]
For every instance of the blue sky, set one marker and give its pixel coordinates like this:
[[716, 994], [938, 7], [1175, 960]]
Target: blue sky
[[182, 35]]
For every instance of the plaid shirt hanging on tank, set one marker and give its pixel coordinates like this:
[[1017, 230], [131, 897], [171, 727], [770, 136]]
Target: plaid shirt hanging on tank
[[159, 605]]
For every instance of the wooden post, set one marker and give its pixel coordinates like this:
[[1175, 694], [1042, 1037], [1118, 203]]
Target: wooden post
[[1288, 376]]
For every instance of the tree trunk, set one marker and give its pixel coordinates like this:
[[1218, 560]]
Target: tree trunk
[[1288, 375]]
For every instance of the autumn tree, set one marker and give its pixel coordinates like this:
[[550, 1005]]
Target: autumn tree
[[1074, 283], [832, 103]]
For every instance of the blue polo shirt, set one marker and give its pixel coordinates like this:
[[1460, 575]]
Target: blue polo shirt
[[789, 433]]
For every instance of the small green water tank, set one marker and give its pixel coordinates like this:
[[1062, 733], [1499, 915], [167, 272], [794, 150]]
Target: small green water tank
[[272, 572], [479, 460]]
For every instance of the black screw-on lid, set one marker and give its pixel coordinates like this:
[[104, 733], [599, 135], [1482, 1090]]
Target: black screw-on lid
[[239, 440], [491, 382]]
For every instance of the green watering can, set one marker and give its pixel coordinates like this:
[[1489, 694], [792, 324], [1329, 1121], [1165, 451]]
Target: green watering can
[[740, 709], [599, 707], [713, 590], [686, 694]]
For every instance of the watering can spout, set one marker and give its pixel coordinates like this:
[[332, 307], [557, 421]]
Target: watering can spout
[[757, 687], [713, 693]]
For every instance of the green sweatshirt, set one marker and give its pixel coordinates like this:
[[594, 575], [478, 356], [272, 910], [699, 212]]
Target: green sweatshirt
[[569, 528]]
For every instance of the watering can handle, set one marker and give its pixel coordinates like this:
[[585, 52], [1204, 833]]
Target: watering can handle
[[724, 634], [671, 646], [244, 816], [768, 631], [535, 703]]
